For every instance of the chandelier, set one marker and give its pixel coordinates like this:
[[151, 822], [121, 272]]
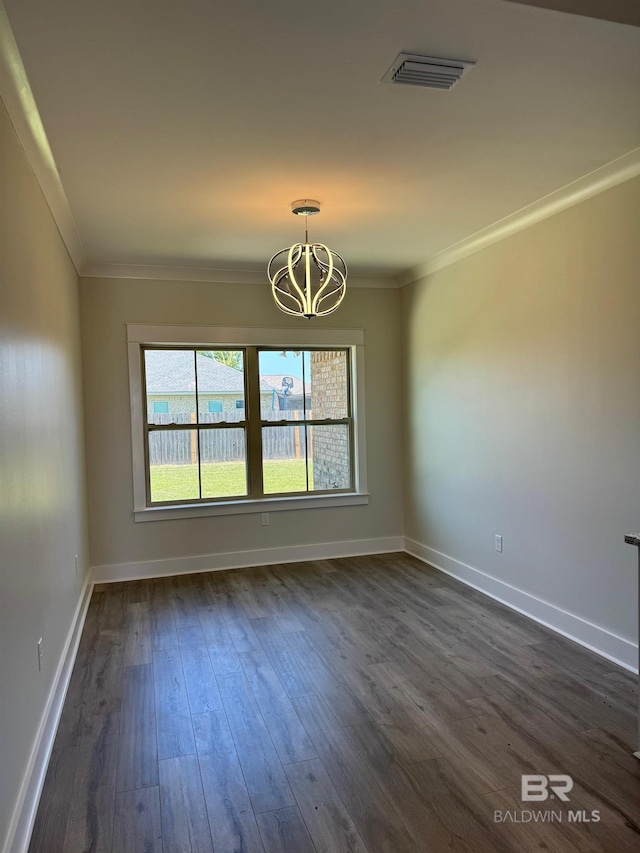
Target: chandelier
[[308, 279]]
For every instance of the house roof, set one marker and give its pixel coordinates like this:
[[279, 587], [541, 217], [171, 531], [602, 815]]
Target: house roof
[[274, 380], [171, 372]]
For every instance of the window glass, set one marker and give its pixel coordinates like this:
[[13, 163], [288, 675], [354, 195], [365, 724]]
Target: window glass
[[171, 372], [326, 385], [173, 465], [329, 457], [220, 375], [281, 384], [284, 467], [223, 467]]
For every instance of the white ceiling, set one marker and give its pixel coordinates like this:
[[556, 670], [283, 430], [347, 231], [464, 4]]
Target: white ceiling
[[183, 130]]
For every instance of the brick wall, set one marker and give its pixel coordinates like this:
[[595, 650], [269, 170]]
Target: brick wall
[[330, 444]]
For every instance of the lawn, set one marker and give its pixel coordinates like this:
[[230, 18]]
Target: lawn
[[225, 479]]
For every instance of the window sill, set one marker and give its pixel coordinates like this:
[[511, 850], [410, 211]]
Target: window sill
[[247, 507]]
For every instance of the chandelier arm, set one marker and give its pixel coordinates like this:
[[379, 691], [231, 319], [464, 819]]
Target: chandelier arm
[[286, 310], [277, 295], [340, 290], [278, 274], [333, 307], [276, 288], [297, 248], [336, 277], [308, 289], [284, 274], [327, 269], [273, 276]]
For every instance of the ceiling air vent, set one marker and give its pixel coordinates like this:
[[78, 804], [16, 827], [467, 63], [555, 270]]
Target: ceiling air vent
[[430, 71]]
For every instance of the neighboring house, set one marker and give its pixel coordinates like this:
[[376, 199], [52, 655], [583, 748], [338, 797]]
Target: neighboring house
[[288, 391], [171, 388]]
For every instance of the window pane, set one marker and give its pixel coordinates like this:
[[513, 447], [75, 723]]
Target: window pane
[[170, 377], [221, 385], [173, 465], [223, 463], [329, 460], [281, 388], [284, 459], [327, 387]]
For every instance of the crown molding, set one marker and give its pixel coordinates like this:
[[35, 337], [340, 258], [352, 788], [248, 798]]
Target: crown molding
[[18, 99], [220, 275], [617, 11], [610, 175]]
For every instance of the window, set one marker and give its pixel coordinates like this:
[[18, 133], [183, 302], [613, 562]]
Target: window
[[160, 407], [249, 423], [194, 455], [307, 438]]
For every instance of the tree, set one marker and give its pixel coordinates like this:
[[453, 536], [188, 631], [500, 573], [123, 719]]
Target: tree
[[230, 358]]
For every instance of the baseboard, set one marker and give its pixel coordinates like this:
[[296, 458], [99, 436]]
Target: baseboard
[[26, 806], [245, 559], [622, 652]]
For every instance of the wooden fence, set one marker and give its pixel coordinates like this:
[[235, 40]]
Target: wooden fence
[[180, 447]]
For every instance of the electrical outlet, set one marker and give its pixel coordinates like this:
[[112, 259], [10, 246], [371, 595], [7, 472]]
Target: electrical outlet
[[76, 564], [498, 542], [265, 519], [40, 653]]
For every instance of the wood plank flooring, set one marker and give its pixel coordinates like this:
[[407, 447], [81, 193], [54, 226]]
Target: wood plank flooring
[[364, 705]]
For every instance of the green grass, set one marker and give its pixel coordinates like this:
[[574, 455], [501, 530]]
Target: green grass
[[225, 479]]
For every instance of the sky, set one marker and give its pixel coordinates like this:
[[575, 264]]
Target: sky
[[291, 365]]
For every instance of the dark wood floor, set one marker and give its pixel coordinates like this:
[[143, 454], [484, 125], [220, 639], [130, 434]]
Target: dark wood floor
[[367, 704]]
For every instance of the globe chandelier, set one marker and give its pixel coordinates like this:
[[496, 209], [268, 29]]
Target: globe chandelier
[[307, 279]]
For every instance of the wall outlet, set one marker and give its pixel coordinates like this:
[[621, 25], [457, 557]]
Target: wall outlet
[[498, 542], [265, 519], [40, 653], [76, 564]]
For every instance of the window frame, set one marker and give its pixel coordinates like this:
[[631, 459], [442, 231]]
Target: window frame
[[251, 339]]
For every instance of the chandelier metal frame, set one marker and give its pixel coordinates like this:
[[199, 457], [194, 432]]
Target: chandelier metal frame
[[295, 289]]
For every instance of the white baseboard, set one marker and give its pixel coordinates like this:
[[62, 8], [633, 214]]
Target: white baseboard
[[26, 806], [245, 559], [593, 637]]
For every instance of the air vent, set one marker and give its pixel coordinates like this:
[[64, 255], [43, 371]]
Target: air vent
[[429, 71]]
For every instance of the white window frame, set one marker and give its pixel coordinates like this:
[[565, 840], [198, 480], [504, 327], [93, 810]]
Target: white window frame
[[225, 337]]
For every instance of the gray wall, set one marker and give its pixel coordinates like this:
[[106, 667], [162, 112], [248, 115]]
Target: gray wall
[[106, 305], [42, 513], [522, 368]]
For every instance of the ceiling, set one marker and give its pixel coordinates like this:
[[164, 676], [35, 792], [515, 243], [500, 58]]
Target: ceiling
[[183, 130]]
